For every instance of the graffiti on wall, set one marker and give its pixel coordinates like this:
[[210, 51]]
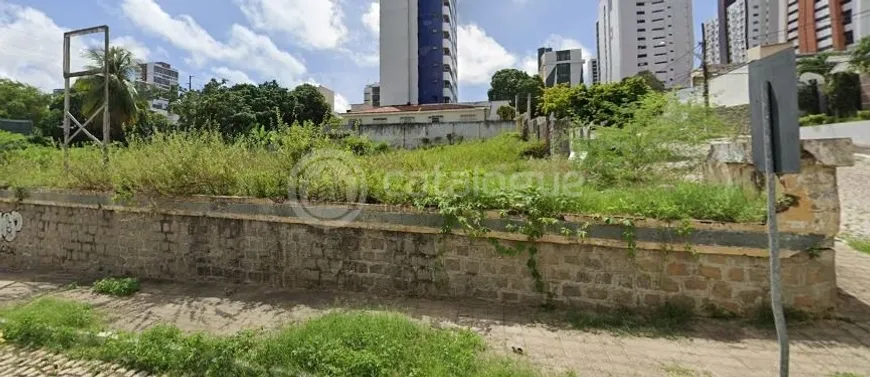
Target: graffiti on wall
[[10, 224]]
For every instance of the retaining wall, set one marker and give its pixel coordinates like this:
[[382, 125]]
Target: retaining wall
[[393, 251]]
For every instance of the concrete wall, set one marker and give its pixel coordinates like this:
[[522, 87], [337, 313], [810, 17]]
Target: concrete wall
[[412, 136], [389, 252], [859, 132]]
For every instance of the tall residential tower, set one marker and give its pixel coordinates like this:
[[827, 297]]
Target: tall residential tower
[[418, 52], [646, 35]]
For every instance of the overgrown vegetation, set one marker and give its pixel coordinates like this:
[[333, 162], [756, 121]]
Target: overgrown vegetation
[[117, 286], [665, 321], [351, 344]]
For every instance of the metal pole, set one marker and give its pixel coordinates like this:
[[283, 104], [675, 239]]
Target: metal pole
[[704, 67], [773, 238], [106, 128], [66, 64]]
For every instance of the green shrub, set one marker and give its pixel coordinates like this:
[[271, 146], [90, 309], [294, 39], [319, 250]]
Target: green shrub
[[815, 120], [117, 286], [49, 322], [864, 114]]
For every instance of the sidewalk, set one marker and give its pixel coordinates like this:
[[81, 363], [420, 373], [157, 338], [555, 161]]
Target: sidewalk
[[711, 348]]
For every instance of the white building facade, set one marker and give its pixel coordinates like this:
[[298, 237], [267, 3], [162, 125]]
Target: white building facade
[[372, 95], [711, 38], [418, 52], [160, 75], [591, 73], [825, 25], [646, 35], [560, 67]]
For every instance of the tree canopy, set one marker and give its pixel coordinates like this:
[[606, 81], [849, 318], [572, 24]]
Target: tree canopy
[[652, 81], [507, 83], [22, 102], [238, 109], [611, 104]]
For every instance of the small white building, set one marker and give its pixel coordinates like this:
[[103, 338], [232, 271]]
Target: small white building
[[433, 113]]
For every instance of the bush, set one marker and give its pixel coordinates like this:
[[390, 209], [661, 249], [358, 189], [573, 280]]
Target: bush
[[864, 115], [49, 322], [117, 286], [506, 112], [815, 120]]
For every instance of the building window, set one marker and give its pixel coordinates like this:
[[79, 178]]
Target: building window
[[847, 17], [446, 51], [407, 120], [436, 119], [563, 73], [850, 37], [468, 117], [563, 55], [379, 120]]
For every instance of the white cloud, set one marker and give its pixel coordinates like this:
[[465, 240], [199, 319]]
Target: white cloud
[[33, 47], [341, 103], [480, 55], [317, 24], [140, 51], [530, 64], [372, 18], [233, 75], [243, 50], [559, 42]]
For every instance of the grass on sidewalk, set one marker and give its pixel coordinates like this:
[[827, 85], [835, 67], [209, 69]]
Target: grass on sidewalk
[[356, 344], [860, 244]]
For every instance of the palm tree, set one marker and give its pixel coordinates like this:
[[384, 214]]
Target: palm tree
[[122, 93]]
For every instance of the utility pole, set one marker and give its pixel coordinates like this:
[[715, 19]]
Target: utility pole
[[189, 82], [704, 67]]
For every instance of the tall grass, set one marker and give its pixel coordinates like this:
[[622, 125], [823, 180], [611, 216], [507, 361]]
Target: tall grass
[[347, 344], [183, 164]]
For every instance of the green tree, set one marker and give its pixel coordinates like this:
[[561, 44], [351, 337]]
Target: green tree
[[611, 104], [23, 102], [843, 90], [860, 57], [507, 112], [652, 81], [123, 109], [310, 104], [817, 64], [506, 84]]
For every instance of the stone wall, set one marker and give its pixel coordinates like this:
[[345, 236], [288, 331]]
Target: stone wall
[[242, 241]]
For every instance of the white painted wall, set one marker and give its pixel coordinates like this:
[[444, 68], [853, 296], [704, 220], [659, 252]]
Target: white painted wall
[[398, 49], [447, 116], [859, 132]]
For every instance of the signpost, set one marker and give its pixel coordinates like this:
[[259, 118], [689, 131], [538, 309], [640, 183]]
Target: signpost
[[775, 150]]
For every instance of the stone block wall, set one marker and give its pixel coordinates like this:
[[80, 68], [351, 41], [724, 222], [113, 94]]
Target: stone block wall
[[231, 248]]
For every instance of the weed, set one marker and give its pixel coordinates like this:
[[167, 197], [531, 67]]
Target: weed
[[845, 374], [860, 244], [117, 286], [337, 344], [665, 321], [49, 322]]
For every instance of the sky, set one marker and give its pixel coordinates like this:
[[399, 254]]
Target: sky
[[333, 43]]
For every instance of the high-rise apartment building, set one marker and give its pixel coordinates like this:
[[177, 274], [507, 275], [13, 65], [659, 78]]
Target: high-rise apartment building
[[160, 75], [825, 25], [560, 67], [741, 25], [418, 52], [646, 35], [372, 95], [711, 38], [592, 71]]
